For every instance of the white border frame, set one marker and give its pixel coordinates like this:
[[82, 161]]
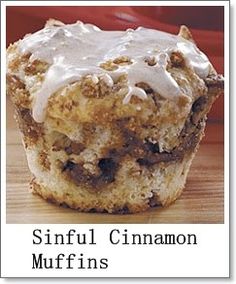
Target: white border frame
[[114, 3]]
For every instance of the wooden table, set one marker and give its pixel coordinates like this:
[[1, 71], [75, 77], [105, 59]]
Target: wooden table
[[201, 202]]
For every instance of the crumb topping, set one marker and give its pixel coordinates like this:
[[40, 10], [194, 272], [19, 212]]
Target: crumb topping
[[78, 50]]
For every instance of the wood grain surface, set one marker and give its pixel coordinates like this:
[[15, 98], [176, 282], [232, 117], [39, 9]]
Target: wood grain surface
[[201, 202]]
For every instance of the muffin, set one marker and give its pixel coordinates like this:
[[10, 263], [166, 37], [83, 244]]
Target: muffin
[[110, 120]]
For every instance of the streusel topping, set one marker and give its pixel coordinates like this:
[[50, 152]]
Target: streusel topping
[[78, 50]]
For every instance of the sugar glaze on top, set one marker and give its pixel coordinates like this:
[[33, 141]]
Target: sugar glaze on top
[[76, 50]]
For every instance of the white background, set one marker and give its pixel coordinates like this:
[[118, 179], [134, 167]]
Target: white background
[[208, 259]]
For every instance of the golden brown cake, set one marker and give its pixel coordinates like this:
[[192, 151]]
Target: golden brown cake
[[110, 120]]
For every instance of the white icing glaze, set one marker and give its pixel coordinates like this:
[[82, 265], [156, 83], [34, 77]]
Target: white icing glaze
[[78, 49]]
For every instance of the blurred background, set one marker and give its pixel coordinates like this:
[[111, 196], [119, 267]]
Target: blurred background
[[206, 24]]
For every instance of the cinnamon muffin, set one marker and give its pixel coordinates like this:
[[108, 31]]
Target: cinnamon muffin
[[110, 120]]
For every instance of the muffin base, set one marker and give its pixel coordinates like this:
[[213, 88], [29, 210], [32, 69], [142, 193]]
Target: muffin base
[[160, 185]]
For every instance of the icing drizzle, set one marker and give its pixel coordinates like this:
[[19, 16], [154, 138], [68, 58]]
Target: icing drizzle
[[76, 50]]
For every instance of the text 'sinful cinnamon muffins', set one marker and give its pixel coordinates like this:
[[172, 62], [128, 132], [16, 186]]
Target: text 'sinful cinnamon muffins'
[[111, 120]]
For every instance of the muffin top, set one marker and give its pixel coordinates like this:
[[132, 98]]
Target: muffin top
[[78, 68]]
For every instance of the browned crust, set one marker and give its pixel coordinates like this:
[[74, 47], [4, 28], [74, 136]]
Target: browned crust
[[215, 81], [185, 33], [32, 131], [64, 201]]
